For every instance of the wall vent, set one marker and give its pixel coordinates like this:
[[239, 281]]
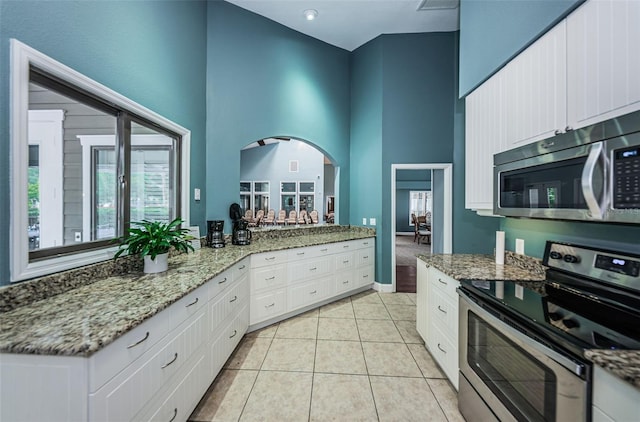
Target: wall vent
[[293, 166]]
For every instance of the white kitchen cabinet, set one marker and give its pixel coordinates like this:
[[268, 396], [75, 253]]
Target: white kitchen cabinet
[[484, 137], [603, 65], [437, 317], [288, 281], [613, 398]]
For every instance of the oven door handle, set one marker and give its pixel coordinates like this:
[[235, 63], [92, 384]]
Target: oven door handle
[[596, 155], [572, 366]]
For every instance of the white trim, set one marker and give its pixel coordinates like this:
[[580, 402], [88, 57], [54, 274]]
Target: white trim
[[21, 57], [384, 288], [446, 208]]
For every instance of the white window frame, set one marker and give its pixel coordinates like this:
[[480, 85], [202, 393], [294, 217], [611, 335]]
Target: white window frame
[[22, 56], [427, 203]]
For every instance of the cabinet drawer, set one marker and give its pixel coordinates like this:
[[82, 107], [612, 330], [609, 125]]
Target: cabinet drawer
[[268, 258], [309, 292], [364, 276], [241, 268], [228, 304], [445, 353], [309, 268], [308, 252], [268, 305], [345, 261], [364, 243], [344, 281], [219, 283], [443, 282], [266, 278], [444, 314], [365, 257], [126, 394], [109, 361], [189, 305]]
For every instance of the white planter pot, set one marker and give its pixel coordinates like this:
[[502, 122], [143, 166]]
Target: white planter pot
[[157, 265]]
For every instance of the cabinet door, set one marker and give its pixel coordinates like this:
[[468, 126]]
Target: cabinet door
[[534, 94], [603, 38], [483, 138], [422, 314]]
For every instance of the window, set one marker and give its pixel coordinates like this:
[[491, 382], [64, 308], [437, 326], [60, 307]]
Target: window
[[297, 196], [419, 204], [254, 196], [87, 161]]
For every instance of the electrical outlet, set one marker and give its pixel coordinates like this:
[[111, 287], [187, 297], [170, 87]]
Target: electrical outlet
[[196, 194], [78, 236], [519, 292], [364, 221], [520, 246], [372, 221]]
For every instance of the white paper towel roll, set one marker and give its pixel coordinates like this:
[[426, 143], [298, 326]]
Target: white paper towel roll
[[500, 247]]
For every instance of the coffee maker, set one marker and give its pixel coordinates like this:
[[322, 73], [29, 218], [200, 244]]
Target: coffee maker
[[241, 234], [215, 236]]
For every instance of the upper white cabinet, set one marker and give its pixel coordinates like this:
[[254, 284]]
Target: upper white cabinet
[[484, 137], [603, 67], [584, 70], [534, 94]]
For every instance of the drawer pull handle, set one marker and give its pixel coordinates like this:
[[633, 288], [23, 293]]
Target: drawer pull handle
[[324, 250], [234, 299], [270, 278], [365, 243], [224, 280], [365, 257], [175, 413], [443, 282], [346, 246], [441, 310], [441, 349], [192, 303], [139, 341], [175, 357], [271, 258], [234, 334], [313, 269], [300, 253], [365, 276], [345, 262], [242, 268], [345, 282], [313, 292], [270, 306]]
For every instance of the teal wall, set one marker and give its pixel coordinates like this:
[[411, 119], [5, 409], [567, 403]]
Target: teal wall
[[492, 32], [536, 232], [151, 52], [264, 80]]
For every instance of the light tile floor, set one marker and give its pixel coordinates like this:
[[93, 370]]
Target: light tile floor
[[357, 359]]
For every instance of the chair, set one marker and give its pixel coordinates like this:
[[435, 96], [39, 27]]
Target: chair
[[282, 217], [248, 215], [313, 215], [258, 220], [331, 218], [292, 217], [424, 233], [302, 218], [270, 218]]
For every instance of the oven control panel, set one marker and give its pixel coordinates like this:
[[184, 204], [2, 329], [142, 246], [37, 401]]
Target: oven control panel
[[599, 264]]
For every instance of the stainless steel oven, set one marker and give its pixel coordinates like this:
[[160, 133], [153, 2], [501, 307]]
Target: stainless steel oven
[[592, 174], [521, 345], [506, 369]]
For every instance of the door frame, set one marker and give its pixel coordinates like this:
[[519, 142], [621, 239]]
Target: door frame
[[447, 237]]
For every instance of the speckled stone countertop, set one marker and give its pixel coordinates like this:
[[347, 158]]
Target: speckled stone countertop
[[484, 267], [84, 319]]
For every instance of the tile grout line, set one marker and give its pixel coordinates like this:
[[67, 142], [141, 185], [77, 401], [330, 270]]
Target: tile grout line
[[313, 371]]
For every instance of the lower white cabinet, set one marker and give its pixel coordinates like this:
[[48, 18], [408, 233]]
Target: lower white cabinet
[[287, 281], [437, 317], [613, 398]]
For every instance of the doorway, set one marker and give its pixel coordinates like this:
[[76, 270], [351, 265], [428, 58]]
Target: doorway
[[402, 236]]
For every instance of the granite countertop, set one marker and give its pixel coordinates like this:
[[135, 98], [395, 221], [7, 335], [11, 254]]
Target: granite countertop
[[623, 363], [483, 267], [81, 321]]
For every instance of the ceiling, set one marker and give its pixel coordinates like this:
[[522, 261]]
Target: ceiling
[[348, 24]]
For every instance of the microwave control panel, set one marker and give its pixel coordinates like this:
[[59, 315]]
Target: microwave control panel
[[626, 178]]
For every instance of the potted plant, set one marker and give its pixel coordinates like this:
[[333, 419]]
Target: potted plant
[[152, 240]]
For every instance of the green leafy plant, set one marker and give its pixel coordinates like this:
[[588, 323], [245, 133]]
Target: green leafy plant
[[154, 238]]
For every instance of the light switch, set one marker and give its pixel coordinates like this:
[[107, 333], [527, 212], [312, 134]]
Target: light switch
[[364, 221], [196, 194], [520, 246], [372, 221]]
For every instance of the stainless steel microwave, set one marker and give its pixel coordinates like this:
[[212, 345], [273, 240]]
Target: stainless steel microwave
[[590, 174]]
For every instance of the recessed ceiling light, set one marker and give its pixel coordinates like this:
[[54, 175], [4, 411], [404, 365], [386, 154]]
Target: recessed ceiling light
[[310, 14]]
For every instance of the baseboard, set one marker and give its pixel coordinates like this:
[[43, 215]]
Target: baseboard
[[384, 288]]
